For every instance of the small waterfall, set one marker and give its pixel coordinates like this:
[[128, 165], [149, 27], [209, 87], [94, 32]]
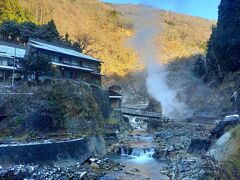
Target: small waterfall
[[136, 123], [139, 154], [123, 153], [144, 151], [133, 122]]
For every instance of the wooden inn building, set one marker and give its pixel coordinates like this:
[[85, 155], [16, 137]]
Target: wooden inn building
[[8, 52], [67, 63]]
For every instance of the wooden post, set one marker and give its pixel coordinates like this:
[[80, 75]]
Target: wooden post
[[4, 78], [14, 61]]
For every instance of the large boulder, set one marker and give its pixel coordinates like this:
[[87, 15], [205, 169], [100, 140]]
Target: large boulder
[[227, 122], [160, 153]]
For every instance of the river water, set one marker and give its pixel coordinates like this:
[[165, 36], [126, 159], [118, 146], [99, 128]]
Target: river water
[[137, 158]]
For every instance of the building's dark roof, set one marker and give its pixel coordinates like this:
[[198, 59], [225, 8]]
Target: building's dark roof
[[59, 49], [115, 95], [12, 44], [11, 50]]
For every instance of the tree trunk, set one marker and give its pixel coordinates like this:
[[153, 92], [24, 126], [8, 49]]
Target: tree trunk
[[37, 76]]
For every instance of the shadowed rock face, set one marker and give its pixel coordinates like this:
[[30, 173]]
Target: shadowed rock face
[[199, 146], [56, 106], [102, 99]]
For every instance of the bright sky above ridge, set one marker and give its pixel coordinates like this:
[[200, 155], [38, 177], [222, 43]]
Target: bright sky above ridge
[[203, 8]]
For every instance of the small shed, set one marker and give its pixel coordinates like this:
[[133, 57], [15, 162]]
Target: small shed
[[115, 99]]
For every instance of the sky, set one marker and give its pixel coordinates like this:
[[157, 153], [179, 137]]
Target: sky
[[202, 8]]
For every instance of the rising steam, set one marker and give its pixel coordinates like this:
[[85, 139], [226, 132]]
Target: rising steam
[[144, 43]]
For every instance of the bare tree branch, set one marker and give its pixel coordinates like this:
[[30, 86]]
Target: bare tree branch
[[84, 43]]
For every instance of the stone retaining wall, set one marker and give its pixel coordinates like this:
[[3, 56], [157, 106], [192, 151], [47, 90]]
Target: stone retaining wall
[[73, 151]]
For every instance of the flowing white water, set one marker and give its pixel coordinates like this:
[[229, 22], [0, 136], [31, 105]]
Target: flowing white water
[[135, 123], [139, 155], [138, 158], [139, 152]]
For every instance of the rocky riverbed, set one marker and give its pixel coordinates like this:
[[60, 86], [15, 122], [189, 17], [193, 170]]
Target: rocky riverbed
[[173, 138], [94, 168], [170, 158], [145, 153]]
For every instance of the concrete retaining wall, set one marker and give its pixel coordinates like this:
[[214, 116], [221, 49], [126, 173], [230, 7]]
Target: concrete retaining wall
[[74, 151], [97, 145]]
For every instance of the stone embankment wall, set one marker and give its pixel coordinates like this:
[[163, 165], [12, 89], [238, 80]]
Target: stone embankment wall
[[67, 152], [74, 107], [101, 97]]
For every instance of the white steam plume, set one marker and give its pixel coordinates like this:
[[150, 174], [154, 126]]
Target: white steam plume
[[144, 43]]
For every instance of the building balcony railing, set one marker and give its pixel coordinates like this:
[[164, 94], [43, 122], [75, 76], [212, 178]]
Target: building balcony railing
[[80, 65], [7, 67]]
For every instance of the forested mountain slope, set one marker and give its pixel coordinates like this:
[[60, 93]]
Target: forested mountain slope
[[104, 25], [181, 35]]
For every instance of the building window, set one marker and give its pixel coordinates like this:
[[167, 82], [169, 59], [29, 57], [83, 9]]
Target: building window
[[75, 75], [86, 65], [71, 75], [55, 59], [80, 64], [75, 62], [66, 61], [3, 62]]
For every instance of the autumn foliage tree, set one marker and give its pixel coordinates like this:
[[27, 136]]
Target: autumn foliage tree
[[11, 10]]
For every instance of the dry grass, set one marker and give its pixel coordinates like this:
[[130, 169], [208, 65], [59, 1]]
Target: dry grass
[[235, 157], [230, 167]]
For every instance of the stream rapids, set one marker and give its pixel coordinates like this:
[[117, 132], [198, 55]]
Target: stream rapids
[[137, 157]]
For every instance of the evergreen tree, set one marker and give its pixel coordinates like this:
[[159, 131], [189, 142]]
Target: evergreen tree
[[27, 30], [10, 30], [35, 65], [67, 39], [47, 32], [199, 66], [223, 47], [21, 32]]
